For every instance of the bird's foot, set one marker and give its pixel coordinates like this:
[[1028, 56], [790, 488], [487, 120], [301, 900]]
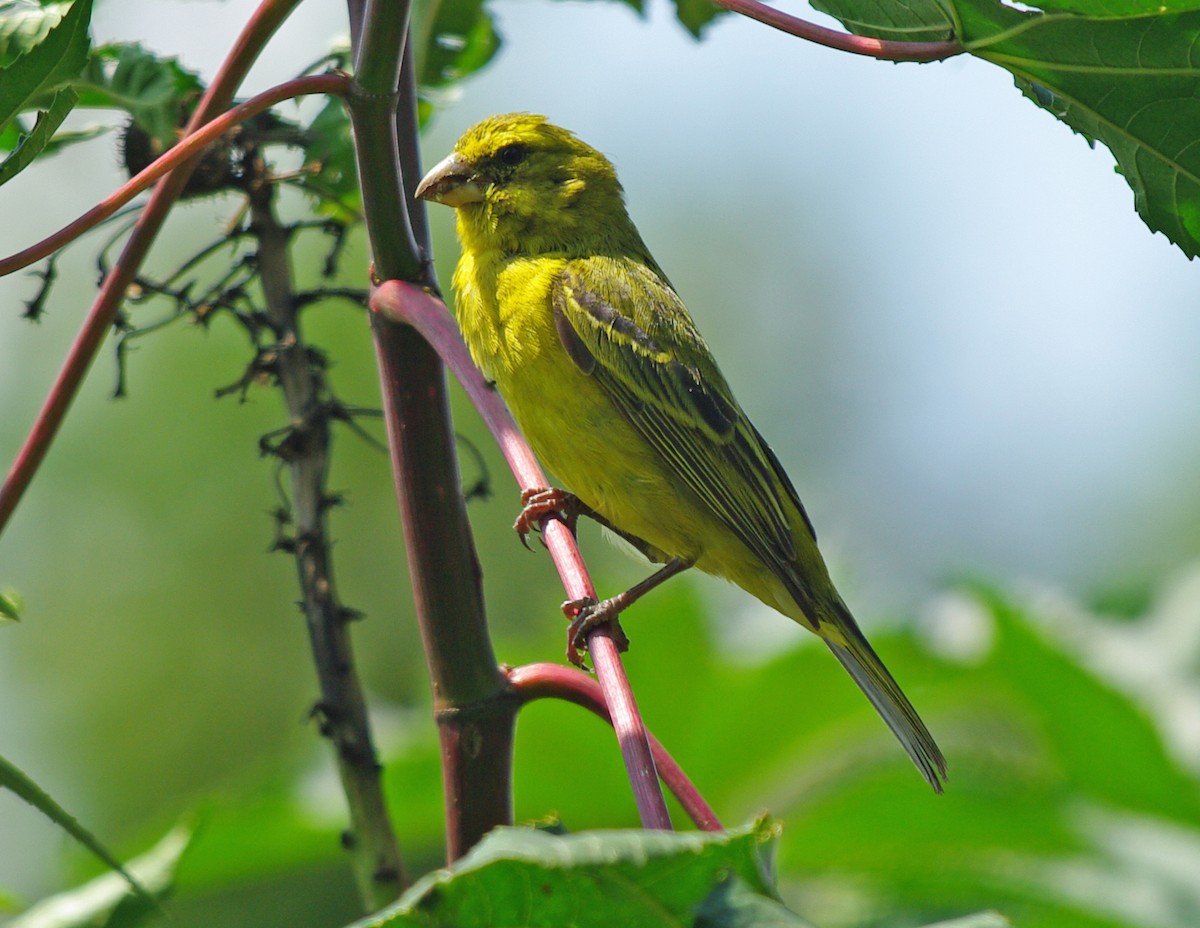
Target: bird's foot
[[586, 614], [543, 501]]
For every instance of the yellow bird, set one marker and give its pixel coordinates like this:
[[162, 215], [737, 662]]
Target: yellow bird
[[563, 307]]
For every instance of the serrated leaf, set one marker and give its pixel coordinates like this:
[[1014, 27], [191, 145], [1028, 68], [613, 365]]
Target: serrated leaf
[[25, 23], [51, 63], [522, 876], [13, 779], [95, 901], [1121, 72], [1132, 84], [38, 140]]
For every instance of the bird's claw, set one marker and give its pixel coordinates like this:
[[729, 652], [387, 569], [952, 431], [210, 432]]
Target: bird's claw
[[586, 614], [540, 502]]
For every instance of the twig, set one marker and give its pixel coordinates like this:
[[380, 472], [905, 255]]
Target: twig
[[406, 303], [558, 681], [883, 49], [177, 155]]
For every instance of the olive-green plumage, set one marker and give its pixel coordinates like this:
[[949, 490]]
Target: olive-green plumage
[[562, 305]]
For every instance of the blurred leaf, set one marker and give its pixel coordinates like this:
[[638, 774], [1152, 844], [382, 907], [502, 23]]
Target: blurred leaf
[[459, 41], [30, 146], [13, 779], [10, 606], [155, 91], [522, 876], [331, 147], [1037, 746], [696, 14], [981, 920], [54, 61], [104, 900], [11, 133], [735, 904], [8, 903]]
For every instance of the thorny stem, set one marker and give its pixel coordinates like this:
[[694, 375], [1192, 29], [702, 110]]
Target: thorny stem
[[342, 710], [378, 860], [405, 302], [856, 44]]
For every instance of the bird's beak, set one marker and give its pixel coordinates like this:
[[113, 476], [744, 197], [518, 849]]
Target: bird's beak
[[452, 182]]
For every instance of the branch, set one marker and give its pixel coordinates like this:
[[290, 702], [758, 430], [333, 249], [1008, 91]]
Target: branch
[[857, 44], [342, 710], [262, 25], [406, 303], [475, 712], [557, 681]]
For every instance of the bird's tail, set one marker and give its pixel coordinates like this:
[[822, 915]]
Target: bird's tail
[[864, 665]]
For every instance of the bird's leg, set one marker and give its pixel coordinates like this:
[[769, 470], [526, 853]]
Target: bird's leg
[[543, 501], [586, 614]]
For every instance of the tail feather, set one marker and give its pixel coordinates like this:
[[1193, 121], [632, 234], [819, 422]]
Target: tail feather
[[864, 665]]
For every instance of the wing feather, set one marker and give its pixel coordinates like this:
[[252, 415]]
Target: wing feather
[[622, 324]]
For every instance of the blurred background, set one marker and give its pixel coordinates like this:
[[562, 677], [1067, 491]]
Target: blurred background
[[935, 301]]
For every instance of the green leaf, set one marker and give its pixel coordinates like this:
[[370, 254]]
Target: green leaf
[[696, 14], [13, 779], [912, 21], [34, 143], [157, 92], [1131, 84], [54, 61], [979, 920], [331, 148], [1117, 9], [8, 903], [735, 904], [1121, 72], [102, 901], [10, 606], [459, 41], [522, 876], [24, 24]]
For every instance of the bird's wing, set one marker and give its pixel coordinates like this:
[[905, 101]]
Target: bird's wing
[[622, 324]]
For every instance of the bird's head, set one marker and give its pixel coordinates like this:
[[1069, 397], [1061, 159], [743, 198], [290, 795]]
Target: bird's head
[[528, 186]]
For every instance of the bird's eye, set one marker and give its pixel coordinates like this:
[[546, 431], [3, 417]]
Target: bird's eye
[[512, 155]]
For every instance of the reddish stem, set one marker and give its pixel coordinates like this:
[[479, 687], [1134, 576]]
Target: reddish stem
[[857, 44], [337, 84], [262, 25], [557, 681], [409, 304]]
